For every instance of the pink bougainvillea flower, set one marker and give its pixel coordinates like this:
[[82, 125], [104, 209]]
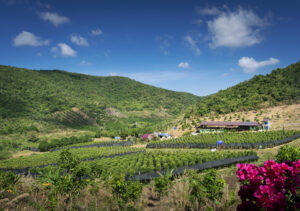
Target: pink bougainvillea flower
[[267, 186]]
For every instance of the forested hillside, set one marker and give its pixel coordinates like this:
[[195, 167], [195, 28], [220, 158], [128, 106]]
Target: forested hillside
[[280, 86], [52, 96]]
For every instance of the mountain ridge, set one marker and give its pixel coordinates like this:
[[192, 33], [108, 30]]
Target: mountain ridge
[[38, 94], [281, 85]]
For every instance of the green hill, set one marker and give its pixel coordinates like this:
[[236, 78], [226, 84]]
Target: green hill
[[62, 99], [280, 86]]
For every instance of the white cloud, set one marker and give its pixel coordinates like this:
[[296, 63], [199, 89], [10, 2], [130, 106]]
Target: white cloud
[[225, 74], [43, 5], [63, 50], [250, 65], [192, 43], [164, 43], [113, 74], [208, 11], [235, 29], [96, 32], [78, 40], [184, 65], [83, 62], [54, 18], [29, 39]]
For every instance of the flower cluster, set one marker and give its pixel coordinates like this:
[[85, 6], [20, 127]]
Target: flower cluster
[[271, 186]]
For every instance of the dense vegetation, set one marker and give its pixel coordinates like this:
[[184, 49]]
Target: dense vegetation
[[56, 143], [82, 154], [59, 186], [230, 140], [288, 153], [281, 85], [69, 99], [128, 163]]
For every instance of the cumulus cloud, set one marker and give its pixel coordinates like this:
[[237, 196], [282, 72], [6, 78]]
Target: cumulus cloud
[[250, 65], [54, 18], [192, 43], [63, 50], [28, 39], [238, 28], [183, 65], [78, 40], [96, 32]]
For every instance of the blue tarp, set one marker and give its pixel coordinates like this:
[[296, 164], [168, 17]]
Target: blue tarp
[[164, 135]]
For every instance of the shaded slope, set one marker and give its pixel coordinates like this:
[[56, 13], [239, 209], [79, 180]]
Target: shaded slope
[[42, 94]]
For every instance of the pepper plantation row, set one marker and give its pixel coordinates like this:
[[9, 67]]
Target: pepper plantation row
[[131, 162], [244, 140], [153, 162], [99, 144], [47, 158]]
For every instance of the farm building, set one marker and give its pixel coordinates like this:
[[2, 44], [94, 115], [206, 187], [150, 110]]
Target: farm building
[[238, 126]]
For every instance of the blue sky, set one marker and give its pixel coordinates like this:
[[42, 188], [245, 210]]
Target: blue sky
[[193, 46]]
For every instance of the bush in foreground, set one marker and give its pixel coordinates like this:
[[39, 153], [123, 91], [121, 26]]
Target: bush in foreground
[[271, 186], [291, 153]]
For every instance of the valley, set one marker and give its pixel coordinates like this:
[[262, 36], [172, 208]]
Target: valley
[[73, 141]]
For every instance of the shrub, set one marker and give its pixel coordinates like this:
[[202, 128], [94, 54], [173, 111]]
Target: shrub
[[162, 184], [98, 134], [66, 180], [269, 187], [8, 180], [187, 133], [207, 186], [212, 185], [287, 152], [44, 146], [33, 138], [196, 193], [126, 192], [4, 155]]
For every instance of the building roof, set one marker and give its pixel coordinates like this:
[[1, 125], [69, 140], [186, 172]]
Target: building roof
[[229, 124]]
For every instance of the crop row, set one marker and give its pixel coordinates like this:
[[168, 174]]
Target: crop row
[[56, 143], [52, 157], [99, 144], [152, 162], [234, 140], [135, 165]]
